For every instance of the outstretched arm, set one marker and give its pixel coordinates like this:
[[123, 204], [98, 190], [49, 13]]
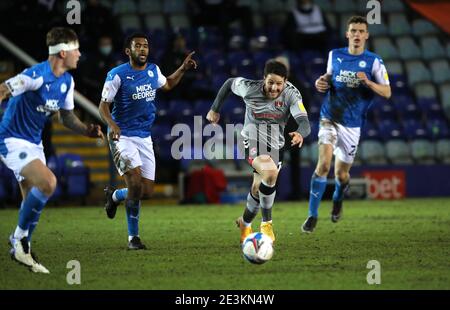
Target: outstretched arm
[[71, 121], [213, 114], [175, 77]]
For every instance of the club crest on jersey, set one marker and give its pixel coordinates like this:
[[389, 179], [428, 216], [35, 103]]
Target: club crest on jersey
[[278, 104], [63, 88], [362, 64], [150, 73]]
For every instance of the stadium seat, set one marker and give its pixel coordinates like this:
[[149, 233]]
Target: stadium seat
[[431, 48], [182, 110], [389, 130], [273, 6], [392, 6], [150, 7], [76, 176], [422, 27], [384, 47], [152, 22], [372, 152], [344, 6], [398, 24], [414, 129], [398, 152], [314, 152], [202, 107], [423, 151], [409, 112], [445, 98], [175, 6], [255, 6], [443, 150], [440, 71], [121, 7], [385, 110], [325, 5], [129, 22], [369, 131], [417, 72], [408, 49], [431, 108], [438, 129], [394, 67], [179, 21], [425, 90]]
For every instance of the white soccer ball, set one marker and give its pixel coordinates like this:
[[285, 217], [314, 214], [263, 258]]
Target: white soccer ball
[[257, 248]]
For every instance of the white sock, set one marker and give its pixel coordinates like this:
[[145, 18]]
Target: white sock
[[114, 198], [131, 237], [19, 233], [246, 224]]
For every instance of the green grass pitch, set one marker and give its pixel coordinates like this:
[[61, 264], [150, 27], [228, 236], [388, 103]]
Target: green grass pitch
[[197, 247]]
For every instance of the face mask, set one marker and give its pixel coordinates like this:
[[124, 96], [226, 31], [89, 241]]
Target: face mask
[[106, 50]]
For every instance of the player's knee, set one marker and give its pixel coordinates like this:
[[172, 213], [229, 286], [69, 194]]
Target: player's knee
[[147, 192], [323, 169], [270, 176], [134, 187], [342, 176], [48, 185]]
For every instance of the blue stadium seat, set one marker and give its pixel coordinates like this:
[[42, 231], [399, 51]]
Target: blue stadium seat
[[369, 131], [152, 7], [202, 107], [410, 111], [181, 110], [124, 7], [390, 130], [438, 129], [75, 174], [414, 130], [431, 108]]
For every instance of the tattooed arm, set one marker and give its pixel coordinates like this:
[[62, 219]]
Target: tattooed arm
[[71, 121]]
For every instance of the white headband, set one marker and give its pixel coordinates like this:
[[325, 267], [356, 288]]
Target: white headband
[[55, 49]]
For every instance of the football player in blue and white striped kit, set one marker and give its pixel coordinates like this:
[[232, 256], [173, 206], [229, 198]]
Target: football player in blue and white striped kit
[[34, 95], [354, 76], [131, 91]]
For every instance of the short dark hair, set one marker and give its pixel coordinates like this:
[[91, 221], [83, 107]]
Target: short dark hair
[[131, 37], [59, 35], [356, 19], [275, 67]]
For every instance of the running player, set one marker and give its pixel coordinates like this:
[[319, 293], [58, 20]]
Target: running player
[[354, 76], [269, 102], [36, 94], [131, 89]]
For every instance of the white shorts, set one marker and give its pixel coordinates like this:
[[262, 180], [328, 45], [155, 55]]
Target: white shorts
[[344, 139], [131, 152], [19, 153]]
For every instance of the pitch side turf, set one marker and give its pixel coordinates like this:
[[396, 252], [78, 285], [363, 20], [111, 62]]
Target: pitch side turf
[[197, 247]]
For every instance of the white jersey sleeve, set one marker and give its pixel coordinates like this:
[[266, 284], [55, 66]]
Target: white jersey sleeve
[[239, 87], [379, 72], [162, 80], [21, 83], [111, 87], [68, 103], [330, 63]]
